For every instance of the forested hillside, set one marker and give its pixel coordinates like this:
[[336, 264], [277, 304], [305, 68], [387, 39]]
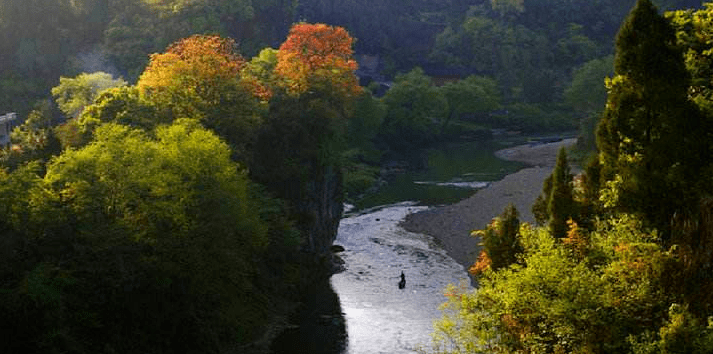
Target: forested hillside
[[530, 47], [179, 168], [185, 213]]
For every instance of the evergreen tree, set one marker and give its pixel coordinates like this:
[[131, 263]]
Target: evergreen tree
[[500, 242], [556, 204], [539, 208], [649, 133], [591, 184], [561, 206]]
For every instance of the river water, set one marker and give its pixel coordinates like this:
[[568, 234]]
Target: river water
[[364, 311], [380, 317]]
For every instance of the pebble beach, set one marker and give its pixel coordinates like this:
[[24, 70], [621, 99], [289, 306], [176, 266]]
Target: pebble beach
[[451, 225]]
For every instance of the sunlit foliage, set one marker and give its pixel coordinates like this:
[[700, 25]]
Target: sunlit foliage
[[162, 234], [626, 282], [73, 94], [199, 77], [652, 138], [557, 301], [416, 111], [317, 56], [500, 242], [196, 70]]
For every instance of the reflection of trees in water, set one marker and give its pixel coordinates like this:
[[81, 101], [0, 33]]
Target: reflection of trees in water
[[320, 324]]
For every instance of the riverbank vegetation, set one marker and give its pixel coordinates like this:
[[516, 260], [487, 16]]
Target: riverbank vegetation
[[623, 261], [185, 213], [178, 171]]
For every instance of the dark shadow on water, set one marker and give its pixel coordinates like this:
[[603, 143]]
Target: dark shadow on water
[[320, 325]]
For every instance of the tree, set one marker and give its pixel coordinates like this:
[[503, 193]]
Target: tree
[[298, 150], [74, 94], [163, 236], [693, 32], [474, 96], [500, 242], [561, 206], [556, 204], [317, 56], [539, 207], [416, 110], [122, 105], [199, 77], [260, 72], [692, 231], [556, 301], [651, 137], [587, 95]]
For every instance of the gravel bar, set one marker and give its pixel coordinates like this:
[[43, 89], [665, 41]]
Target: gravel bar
[[451, 225]]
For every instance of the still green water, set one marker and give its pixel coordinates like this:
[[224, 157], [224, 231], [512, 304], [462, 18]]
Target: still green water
[[454, 163]]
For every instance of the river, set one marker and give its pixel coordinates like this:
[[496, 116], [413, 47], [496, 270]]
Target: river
[[363, 310], [381, 317]]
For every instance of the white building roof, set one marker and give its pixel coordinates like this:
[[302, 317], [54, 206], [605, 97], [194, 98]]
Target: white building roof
[[8, 117]]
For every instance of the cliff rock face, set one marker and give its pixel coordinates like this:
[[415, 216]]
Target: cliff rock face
[[295, 156], [319, 208]]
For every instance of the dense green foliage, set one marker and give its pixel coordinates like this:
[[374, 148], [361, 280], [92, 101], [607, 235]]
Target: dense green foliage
[[500, 242], [630, 273], [557, 205], [559, 302], [587, 96], [507, 41], [138, 216], [131, 218], [116, 36], [415, 110], [561, 205], [119, 235], [652, 137]]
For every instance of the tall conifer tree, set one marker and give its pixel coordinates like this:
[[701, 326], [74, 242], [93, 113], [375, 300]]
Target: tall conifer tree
[[647, 136], [561, 206]]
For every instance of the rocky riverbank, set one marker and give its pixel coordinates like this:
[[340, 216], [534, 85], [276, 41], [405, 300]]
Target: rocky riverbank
[[451, 225]]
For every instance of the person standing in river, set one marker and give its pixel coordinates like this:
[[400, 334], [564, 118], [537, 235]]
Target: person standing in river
[[402, 283]]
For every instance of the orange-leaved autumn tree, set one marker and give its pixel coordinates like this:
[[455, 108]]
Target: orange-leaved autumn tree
[[199, 77], [317, 56], [199, 65]]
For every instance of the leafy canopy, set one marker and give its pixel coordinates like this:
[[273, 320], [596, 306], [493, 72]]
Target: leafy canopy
[[317, 56], [200, 77], [73, 94]]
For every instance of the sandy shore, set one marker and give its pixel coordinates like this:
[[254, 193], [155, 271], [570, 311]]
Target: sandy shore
[[452, 224]]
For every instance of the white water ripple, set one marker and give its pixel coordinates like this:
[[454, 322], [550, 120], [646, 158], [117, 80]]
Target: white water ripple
[[457, 184]]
